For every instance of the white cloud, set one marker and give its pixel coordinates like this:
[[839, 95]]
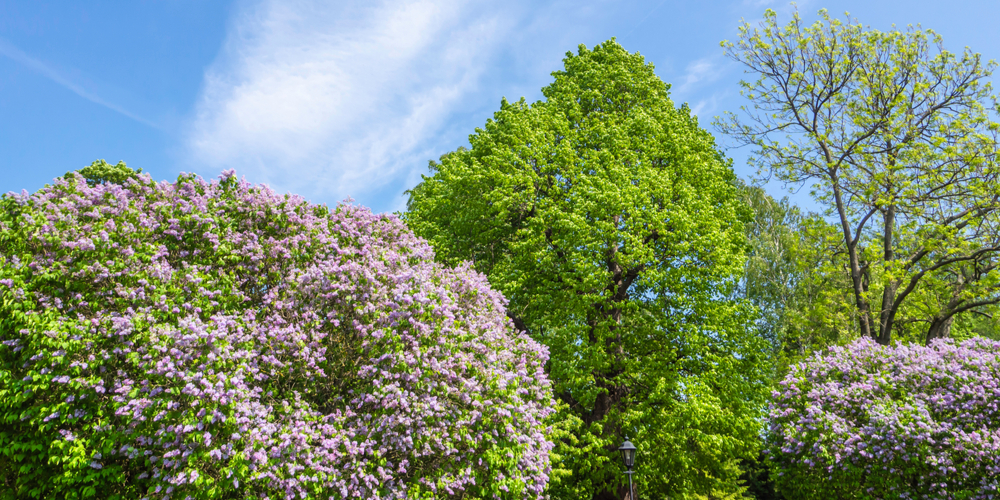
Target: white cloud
[[698, 73], [703, 108], [651, 11], [333, 100]]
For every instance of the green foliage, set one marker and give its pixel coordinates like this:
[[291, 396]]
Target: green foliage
[[896, 137], [757, 479], [37, 456], [611, 222], [796, 276], [102, 172]]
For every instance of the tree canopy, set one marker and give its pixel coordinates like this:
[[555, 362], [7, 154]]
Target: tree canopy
[[895, 135], [102, 172], [218, 340], [610, 220]]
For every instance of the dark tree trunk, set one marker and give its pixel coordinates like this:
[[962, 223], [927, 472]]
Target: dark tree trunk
[[888, 312], [613, 393], [940, 328], [857, 273]]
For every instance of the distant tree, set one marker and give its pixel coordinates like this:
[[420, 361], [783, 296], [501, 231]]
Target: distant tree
[[218, 340], [610, 220], [796, 277], [773, 273], [895, 135], [102, 172]]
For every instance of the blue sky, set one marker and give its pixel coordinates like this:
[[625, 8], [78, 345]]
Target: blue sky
[[332, 99]]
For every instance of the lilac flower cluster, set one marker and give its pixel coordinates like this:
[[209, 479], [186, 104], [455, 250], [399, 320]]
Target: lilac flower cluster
[[902, 422], [218, 340]]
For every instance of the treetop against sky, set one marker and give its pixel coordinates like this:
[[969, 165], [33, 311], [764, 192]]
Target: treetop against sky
[[332, 100]]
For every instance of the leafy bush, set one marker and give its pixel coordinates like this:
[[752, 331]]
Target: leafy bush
[[218, 340], [868, 421]]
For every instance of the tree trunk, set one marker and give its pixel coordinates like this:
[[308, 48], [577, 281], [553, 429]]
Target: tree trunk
[[857, 275], [621, 493], [940, 328], [941, 325], [888, 312], [612, 394], [607, 399], [864, 309]]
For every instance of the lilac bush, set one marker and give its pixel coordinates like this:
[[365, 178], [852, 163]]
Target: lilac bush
[[218, 340], [903, 422]]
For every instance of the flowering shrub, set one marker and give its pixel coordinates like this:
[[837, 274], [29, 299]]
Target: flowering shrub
[[217, 340], [869, 421]]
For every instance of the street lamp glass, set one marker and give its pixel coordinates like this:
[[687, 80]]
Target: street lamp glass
[[628, 453]]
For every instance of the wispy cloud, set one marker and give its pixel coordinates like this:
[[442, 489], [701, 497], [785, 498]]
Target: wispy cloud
[[9, 50], [758, 3], [706, 106], [333, 101], [698, 73], [651, 11], [751, 10]]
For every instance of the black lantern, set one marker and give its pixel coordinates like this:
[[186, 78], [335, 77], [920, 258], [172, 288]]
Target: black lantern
[[628, 456]]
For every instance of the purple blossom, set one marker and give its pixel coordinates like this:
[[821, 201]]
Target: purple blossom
[[896, 422], [299, 350]]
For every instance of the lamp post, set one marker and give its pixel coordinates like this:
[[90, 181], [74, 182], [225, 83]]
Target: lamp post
[[628, 456]]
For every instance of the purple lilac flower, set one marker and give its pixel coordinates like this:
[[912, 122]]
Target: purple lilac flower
[[219, 329], [894, 422]]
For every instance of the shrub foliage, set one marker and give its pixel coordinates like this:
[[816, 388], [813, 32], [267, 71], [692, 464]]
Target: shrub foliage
[[217, 340], [868, 421]]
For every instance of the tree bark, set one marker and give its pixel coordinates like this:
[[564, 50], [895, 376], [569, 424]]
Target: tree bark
[[889, 306], [621, 493], [612, 393], [857, 274], [940, 328]]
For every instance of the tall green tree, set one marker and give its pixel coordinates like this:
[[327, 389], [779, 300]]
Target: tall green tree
[[611, 221], [896, 136]]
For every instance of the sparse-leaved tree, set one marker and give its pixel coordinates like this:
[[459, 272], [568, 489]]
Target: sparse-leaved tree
[[895, 135]]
